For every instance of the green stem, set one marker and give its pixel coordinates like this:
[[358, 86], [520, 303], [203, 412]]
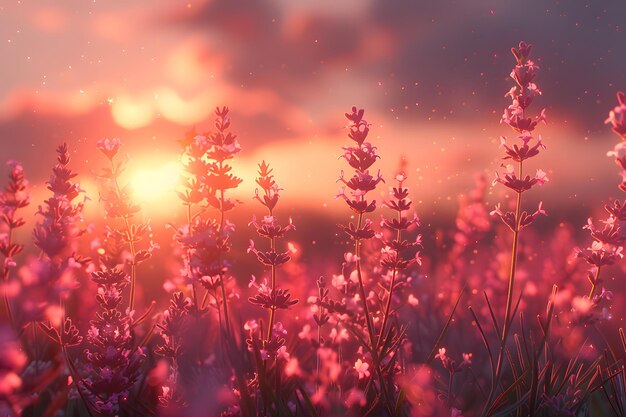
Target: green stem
[[509, 301], [189, 271], [5, 280], [223, 287], [133, 265], [131, 245], [368, 319], [273, 308], [76, 378], [594, 284], [357, 253], [391, 285]]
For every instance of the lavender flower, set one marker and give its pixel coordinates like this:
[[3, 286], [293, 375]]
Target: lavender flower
[[515, 115], [119, 205], [114, 364], [205, 240], [13, 198], [607, 245], [50, 278], [56, 233], [270, 297]]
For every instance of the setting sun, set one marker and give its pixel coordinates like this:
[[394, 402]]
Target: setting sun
[[156, 183]]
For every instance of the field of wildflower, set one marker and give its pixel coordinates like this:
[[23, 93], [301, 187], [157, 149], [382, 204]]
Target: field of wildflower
[[512, 311]]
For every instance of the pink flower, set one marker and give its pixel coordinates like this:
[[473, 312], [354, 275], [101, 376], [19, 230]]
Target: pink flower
[[541, 177], [282, 353], [339, 281], [522, 52], [455, 412], [520, 185], [339, 336], [305, 333], [12, 362], [356, 397], [617, 116], [251, 326], [442, 354], [619, 152], [109, 147], [362, 368]]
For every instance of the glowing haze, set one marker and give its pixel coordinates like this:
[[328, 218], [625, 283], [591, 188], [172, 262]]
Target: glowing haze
[[430, 75]]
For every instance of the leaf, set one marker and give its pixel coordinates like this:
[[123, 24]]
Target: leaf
[[141, 256], [51, 332], [445, 328], [308, 401], [399, 403]]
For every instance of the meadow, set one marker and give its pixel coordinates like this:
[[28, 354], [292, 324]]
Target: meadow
[[512, 312]]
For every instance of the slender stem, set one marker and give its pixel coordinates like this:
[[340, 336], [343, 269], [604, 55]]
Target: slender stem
[[223, 287], [5, 279], [387, 308], [391, 285], [271, 323], [368, 319], [131, 245], [273, 308], [357, 253], [594, 284], [8, 307], [509, 301], [450, 388], [133, 265], [317, 356], [204, 300], [189, 271], [76, 378], [509, 297]]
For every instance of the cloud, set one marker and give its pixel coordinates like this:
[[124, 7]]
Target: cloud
[[289, 69]]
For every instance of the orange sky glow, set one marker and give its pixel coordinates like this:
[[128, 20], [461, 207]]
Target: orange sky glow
[[148, 71]]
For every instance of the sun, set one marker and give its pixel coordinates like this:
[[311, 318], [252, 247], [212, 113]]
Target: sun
[[151, 185]]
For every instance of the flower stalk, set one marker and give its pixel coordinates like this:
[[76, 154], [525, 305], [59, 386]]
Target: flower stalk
[[522, 95]]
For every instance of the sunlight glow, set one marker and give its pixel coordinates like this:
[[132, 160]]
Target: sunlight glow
[[156, 184], [132, 113]]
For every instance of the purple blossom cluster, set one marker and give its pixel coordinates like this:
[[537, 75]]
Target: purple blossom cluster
[[269, 296], [607, 240], [205, 238], [113, 361], [527, 146], [50, 278]]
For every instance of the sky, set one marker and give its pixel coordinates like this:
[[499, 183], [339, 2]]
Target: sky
[[431, 75]]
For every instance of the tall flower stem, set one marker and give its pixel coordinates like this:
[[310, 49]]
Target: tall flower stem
[[194, 291], [508, 320], [221, 262], [509, 294], [77, 379], [12, 199], [361, 157], [509, 302], [522, 95], [133, 265], [5, 279], [131, 246], [594, 284], [390, 292], [270, 325], [368, 319]]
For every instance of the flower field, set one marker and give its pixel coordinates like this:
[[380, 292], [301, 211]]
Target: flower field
[[228, 307]]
